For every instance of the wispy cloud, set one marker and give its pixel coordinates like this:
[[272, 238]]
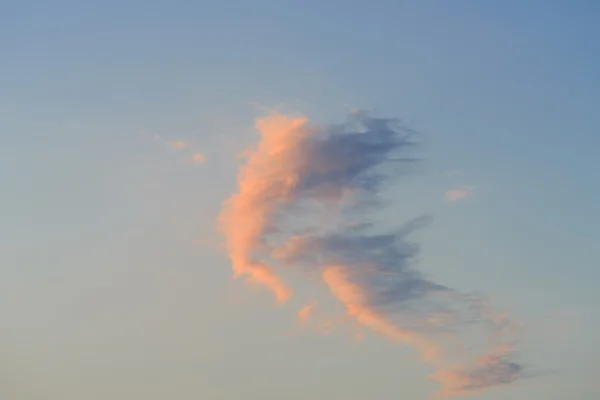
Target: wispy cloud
[[198, 158], [459, 193], [306, 312], [184, 147], [178, 144], [296, 207]]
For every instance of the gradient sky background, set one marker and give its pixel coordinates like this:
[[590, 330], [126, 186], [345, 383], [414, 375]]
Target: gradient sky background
[[113, 282]]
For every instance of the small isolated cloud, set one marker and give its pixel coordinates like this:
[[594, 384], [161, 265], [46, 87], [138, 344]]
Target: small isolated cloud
[[459, 193], [178, 145], [182, 146], [199, 158], [306, 312]]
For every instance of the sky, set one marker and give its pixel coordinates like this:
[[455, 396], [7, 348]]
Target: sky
[[130, 132]]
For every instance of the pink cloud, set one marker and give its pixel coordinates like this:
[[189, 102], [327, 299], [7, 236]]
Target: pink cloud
[[295, 207], [459, 193], [306, 312]]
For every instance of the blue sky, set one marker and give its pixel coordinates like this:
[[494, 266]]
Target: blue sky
[[114, 282]]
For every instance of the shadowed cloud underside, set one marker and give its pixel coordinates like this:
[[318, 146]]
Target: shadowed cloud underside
[[305, 198]]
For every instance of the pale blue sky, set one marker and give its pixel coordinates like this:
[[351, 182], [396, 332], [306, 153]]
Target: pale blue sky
[[113, 284]]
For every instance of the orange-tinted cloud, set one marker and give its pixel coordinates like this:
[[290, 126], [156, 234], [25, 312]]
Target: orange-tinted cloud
[[488, 370], [306, 312], [491, 370], [459, 193], [264, 184], [355, 301], [302, 202], [178, 145], [198, 158]]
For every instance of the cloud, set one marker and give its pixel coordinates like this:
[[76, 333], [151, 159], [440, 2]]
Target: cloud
[[305, 201], [178, 144], [354, 297], [459, 193], [198, 158], [306, 312]]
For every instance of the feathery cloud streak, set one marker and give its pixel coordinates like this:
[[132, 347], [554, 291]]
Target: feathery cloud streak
[[305, 198]]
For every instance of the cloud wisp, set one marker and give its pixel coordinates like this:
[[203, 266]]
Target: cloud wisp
[[178, 144], [305, 201], [306, 312], [459, 193], [199, 158], [182, 146]]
